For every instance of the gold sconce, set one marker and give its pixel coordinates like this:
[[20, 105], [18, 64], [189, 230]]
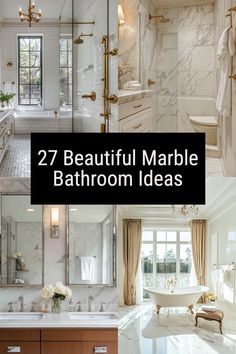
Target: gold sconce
[[121, 17], [54, 222], [31, 16]]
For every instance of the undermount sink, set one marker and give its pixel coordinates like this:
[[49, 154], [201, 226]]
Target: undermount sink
[[20, 316], [93, 316]]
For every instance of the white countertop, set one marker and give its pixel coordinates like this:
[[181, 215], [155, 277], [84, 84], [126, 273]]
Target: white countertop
[[130, 95], [62, 320]]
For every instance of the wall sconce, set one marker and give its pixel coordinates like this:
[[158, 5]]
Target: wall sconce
[[121, 16], [54, 222]]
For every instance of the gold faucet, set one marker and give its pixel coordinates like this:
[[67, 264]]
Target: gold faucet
[[151, 82]]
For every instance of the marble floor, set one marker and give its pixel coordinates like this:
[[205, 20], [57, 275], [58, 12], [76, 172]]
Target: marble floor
[[16, 162], [174, 332]]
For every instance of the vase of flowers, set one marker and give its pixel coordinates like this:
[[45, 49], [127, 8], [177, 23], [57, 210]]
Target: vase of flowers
[[56, 293]]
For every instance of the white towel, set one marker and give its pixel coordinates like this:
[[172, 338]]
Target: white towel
[[87, 268], [226, 49]]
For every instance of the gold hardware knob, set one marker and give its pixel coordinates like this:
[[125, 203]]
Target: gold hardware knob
[[151, 82], [92, 96], [113, 99], [232, 77], [105, 115], [114, 52]]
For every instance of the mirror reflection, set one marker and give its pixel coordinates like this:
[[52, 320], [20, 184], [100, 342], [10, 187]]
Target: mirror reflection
[[91, 245], [21, 242]]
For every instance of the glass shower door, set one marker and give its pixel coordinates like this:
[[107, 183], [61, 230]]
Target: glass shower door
[[94, 58]]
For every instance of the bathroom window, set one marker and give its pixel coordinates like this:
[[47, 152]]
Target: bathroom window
[[66, 55], [29, 71], [166, 254]]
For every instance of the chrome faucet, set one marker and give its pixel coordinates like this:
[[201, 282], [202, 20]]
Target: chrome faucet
[[102, 309], [90, 300], [21, 299]]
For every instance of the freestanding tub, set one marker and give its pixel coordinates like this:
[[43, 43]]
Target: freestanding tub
[[176, 297]]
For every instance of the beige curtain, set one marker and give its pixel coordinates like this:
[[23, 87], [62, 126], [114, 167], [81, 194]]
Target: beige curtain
[[198, 232], [132, 241]]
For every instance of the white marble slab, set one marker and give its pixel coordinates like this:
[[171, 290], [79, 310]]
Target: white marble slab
[[129, 96], [63, 320]]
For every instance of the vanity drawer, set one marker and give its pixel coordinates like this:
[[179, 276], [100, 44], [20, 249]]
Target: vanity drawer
[[61, 348], [20, 335], [61, 335], [98, 335], [100, 347], [140, 122], [127, 109], [21, 347]]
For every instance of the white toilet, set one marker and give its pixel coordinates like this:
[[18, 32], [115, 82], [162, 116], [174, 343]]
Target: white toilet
[[206, 124]]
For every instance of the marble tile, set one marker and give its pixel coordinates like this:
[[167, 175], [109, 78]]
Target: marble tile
[[197, 84], [191, 36], [174, 331], [166, 123], [16, 162], [199, 59], [196, 15]]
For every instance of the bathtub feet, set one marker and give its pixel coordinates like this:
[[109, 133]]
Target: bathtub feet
[[191, 309], [158, 307]]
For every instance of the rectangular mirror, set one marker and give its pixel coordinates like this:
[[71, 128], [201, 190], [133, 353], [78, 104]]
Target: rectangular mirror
[[21, 242], [91, 245]]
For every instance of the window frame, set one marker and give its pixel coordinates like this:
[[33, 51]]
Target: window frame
[[68, 84], [155, 243], [40, 37]]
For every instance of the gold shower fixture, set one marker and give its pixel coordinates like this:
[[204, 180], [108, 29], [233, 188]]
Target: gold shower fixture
[[162, 18], [79, 40], [31, 16], [232, 9]]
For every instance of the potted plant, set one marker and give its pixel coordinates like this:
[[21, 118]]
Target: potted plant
[[2, 99], [9, 96]]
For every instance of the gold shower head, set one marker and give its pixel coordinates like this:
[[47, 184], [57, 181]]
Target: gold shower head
[[79, 40]]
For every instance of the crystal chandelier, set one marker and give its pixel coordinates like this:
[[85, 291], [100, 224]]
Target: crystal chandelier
[[31, 16], [184, 213]]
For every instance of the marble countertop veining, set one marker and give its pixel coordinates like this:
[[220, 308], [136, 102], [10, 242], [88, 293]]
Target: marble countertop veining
[[63, 320], [126, 96]]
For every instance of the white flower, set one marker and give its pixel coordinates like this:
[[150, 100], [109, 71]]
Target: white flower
[[50, 291]]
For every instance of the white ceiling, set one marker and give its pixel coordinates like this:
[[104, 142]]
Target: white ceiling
[[175, 3], [51, 9]]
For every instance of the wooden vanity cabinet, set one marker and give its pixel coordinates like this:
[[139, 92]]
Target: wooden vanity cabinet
[[59, 341], [79, 341], [24, 341]]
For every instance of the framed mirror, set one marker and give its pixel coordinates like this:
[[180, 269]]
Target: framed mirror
[[21, 242], [91, 245]]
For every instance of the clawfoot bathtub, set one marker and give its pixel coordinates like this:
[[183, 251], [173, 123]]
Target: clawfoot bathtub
[[176, 297]]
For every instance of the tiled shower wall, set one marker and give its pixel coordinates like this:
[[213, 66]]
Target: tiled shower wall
[[179, 56], [55, 270], [50, 34]]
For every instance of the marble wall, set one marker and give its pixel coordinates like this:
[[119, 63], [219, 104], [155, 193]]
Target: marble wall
[[178, 55], [89, 66]]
